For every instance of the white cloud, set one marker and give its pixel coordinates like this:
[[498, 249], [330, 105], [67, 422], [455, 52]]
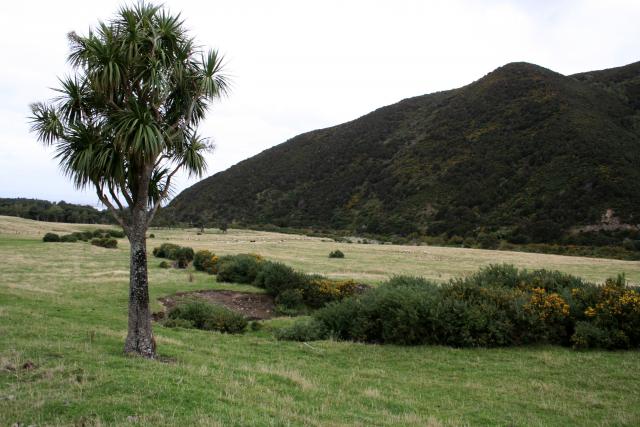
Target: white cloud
[[299, 66]]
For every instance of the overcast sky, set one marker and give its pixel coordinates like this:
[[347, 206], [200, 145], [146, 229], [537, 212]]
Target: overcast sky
[[303, 65]]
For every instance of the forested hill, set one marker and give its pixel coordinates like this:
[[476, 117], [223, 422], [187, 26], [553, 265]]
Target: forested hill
[[524, 154], [43, 210]]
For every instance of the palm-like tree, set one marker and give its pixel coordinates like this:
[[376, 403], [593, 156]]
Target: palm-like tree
[[126, 122]]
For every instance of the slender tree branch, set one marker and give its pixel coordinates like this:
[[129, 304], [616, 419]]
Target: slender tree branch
[[115, 198], [165, 192], [104, 199]]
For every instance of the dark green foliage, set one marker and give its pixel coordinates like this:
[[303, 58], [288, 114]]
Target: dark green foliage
[[498, 306], [166, 250], [201, 258], [42, 210], [336, 254], [70, 238], [152, 236], [276, 278], [181, 254], [164, 264], [85, 236], [304, 330], [51, 237], [105, 242], [118, 234], [290, 301], [523, 155], [242, 268], [207, 316]]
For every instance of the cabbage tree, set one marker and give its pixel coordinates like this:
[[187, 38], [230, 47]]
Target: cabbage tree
[[126, 121]]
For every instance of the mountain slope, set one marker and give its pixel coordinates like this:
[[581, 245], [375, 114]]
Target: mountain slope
[[523, 152]]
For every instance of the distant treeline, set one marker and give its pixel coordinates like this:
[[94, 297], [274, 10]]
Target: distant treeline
[[43, 210]]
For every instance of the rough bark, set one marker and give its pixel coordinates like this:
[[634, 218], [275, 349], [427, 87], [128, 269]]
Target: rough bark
[[140, 336]]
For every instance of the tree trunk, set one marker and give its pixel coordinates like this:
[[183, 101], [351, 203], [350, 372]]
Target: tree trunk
[[139, 337]]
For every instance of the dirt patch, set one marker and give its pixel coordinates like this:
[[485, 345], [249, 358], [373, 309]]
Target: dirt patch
[[251, 305]]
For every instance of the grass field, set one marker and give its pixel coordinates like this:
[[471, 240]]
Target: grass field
[[63, 308]]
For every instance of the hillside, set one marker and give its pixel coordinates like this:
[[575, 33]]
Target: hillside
[[524, 153]]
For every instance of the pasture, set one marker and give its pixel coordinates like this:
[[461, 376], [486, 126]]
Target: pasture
[[63, 321]]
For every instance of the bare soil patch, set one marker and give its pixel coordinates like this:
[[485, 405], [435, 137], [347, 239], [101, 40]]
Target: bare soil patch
[[253, 306]]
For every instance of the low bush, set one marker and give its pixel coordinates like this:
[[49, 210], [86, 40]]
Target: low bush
[[318, 291], [242, 268], [210, 317], [118, 234], [51, 237], [70, 238], [166, 250], [105, 242], [276, 278], [85, 236], [152, 236], [201, 258], [336, 254], [164, 264], [498, 306], [183, 255]]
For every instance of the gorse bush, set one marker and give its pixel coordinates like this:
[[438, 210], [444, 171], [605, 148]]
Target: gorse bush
[[202, 315], [166, 250], [105, 242], [498, 306], [164, 264], [69, 238], [51, 237], [181, 254], [242, 268], [336, 254], [200, 258]]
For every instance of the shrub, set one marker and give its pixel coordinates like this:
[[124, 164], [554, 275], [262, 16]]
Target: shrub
[[336, 254], [290, 302], [211, 265], [309, 329], [164, 264], [242, 268], [70, 238], [320, 291], [209, 317], [183, 256], [51, 237], [152, 236], [276, 278], [119, 234], [105, 242], [85, 236], [201, 258], [166, 250]]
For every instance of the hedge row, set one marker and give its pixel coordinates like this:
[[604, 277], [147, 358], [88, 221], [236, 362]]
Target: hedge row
[[498, 306], [103, 238]]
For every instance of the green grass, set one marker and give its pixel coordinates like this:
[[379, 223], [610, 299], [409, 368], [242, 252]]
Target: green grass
[[63, 307]]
